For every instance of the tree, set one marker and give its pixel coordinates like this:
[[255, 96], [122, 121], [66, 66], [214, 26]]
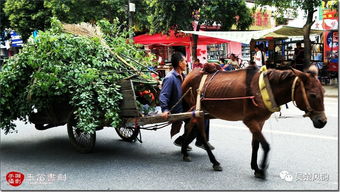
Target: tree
[[292, 6], [140, 21], [4, 22], [75, 11], [26, 16], [179, 15]]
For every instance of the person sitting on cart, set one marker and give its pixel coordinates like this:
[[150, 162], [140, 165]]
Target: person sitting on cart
[[171, 93]]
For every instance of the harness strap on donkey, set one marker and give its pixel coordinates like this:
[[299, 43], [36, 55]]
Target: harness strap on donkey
[[199, 92], [266, 92], [304, 95], [201, 97]]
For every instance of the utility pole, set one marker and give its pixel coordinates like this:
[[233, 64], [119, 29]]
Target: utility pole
[[131, 8]]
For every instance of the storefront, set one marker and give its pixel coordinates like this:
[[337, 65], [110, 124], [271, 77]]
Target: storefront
[[327, 19], [10, 44]]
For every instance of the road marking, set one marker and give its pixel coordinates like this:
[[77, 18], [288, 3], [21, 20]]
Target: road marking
[[282, 132]]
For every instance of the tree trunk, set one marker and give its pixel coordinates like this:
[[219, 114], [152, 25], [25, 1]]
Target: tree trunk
[[194, 45], [306, 40]]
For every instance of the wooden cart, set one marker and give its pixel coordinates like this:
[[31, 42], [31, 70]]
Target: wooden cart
[[61, 113]]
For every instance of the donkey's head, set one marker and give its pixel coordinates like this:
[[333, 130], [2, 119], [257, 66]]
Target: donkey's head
[[309, 96]]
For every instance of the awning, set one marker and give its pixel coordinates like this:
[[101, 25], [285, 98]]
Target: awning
[[247, 36], [289, 31], [179, 39]]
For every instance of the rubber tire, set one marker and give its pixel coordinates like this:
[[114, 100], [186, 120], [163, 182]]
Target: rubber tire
[[128, 134], [82, 147]]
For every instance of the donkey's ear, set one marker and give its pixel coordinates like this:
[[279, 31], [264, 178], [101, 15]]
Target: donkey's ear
[[302, 76], [313, 70]]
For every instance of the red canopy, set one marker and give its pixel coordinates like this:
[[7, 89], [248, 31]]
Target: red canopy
[[179, 39]]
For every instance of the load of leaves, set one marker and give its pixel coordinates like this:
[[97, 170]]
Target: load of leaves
[[80, 71]]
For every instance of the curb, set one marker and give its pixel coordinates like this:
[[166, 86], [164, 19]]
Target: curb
[[334, 96]]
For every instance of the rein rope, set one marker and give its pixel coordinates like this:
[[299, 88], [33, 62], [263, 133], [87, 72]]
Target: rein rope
[[190, 89]]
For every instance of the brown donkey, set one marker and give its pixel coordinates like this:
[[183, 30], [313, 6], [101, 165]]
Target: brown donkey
[[236, 96]]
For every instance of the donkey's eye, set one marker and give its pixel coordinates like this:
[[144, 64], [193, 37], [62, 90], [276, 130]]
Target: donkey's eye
[[312, 96]]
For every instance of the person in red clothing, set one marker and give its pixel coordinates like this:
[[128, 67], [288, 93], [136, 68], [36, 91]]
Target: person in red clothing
[[197, 64]]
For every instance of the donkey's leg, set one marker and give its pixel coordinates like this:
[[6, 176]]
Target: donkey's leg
[[203, 138], [265, 147], [255, 147], [255, 128]]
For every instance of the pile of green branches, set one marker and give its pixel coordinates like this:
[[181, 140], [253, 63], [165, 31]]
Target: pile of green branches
[[83, 70]]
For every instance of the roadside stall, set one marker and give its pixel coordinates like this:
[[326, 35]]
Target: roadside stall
[[163, 45], [276, 40], [280, 46]]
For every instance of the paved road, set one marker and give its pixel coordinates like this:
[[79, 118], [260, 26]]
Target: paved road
[[306, 157]]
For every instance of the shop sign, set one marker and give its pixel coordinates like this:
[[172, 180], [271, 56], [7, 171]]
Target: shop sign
[[16, 39]]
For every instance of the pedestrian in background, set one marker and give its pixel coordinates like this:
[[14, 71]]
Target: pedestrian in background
[[197, 64], [259, 56], [299, 56], [232, 62]]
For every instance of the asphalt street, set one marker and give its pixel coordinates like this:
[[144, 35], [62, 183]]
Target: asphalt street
[[301, 158]]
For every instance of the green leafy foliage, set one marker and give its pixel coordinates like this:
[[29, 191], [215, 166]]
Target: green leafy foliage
[[62, 67], [178, 14], [225, 12], [75, 11], [25, 16], [4, 22], [290, 7]]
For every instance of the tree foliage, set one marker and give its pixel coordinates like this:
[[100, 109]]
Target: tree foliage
[[77, 70], [75, 11], [4, 22], [226, 14], [25, 16], [285, 7], [179, 14]]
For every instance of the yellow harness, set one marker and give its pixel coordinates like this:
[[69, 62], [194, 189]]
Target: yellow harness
[[266, 92]]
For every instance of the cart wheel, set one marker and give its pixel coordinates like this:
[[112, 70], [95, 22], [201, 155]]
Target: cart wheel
[[128, 133], [81, 141]]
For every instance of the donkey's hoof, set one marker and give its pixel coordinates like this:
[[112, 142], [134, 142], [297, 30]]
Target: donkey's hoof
[[186, 159], [260, 174], [217, 168]]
